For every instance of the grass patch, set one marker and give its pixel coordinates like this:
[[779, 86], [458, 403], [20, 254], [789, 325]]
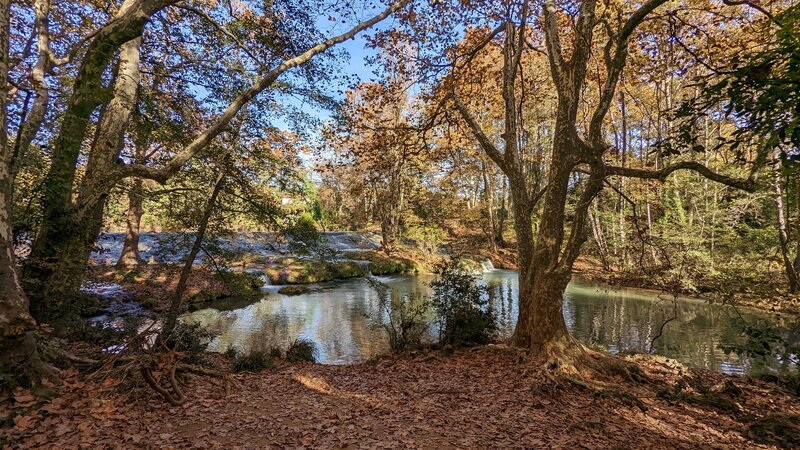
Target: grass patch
[[255, 361], [302, 271], [294, 289], [301, 350]]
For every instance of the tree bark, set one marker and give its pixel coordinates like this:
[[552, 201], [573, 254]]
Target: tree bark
[[44, 62], [62, 248], [19, 358]]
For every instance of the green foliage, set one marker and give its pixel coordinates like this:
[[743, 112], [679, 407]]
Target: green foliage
[[302, 271], [301, 350], [381, 264], [275, 352], [189, 338], [255, 361], [306, 240], [406, 318], [462, 307], [427, 238], [761, 91]]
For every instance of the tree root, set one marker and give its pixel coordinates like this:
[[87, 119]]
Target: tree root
[[571, 364], [174, 398], [23, 362]]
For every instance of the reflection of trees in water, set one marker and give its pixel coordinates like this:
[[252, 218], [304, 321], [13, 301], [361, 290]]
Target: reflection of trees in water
[[339, 319], [256, 327], [502, 300]]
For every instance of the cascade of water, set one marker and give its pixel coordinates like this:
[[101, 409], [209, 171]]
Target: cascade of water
[[487, 265]]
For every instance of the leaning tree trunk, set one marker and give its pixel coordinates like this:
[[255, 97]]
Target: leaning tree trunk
[[177, 298], [62, 249], [62, 246]]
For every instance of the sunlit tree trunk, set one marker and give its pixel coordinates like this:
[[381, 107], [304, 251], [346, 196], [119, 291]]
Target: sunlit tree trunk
[[33, 120], [599, 238], [19, 357], [488, 193], [133, 219]]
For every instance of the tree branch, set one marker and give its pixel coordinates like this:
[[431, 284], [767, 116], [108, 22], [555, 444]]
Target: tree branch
[[222, 30], [262, 83], [748, 184], [614, 67], [483, 140], [552, 42]]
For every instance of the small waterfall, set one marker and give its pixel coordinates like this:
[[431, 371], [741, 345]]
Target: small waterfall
[[487, 265]]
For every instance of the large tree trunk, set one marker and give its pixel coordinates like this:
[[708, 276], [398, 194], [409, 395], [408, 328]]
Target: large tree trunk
[[542, 280], [19, 358], [64, 243]]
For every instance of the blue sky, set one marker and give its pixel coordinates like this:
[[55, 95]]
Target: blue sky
[[355, 65]]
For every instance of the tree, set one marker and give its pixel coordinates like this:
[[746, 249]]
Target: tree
[[761, 91], [19, 361], [546, 262], [68, 229]]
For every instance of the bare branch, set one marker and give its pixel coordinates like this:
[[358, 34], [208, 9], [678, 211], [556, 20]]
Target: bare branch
[[483, 140], [748, 184], [222, 30], [754, 6], [553, 43], [615, 66]]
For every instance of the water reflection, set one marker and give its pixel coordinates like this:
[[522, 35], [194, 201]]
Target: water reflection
[[337, 317]]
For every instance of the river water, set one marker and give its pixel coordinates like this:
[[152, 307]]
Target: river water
[[342, 319]]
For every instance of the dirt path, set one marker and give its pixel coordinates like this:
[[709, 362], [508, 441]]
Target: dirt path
[[473, 399]]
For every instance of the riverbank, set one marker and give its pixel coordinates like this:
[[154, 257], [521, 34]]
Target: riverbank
[[483, 397], [152, 286], [763, 297]]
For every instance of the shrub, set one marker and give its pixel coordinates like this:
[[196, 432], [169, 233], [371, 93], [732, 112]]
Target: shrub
[[255, 361], [426, 238], [305, 240], [404, 317], [189, 338], [301, 350], [462, 307]]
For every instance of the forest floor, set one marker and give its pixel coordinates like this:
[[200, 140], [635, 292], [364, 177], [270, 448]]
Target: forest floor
[[478, 398]]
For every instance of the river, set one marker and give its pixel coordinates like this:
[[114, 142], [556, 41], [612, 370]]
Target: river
[[340, 318]]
